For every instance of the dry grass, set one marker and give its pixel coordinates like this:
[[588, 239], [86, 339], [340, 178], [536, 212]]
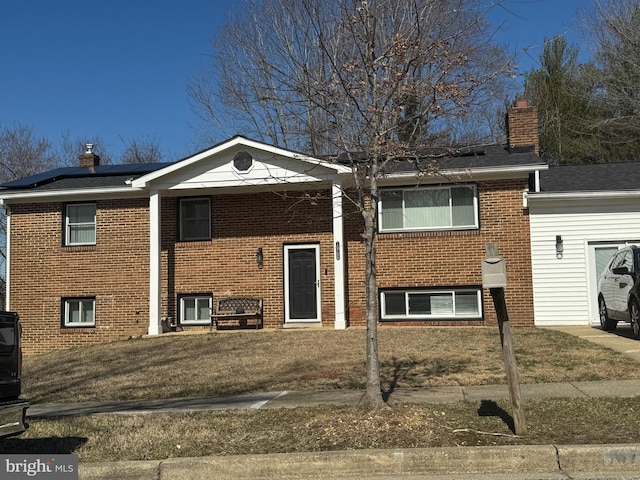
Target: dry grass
[[231, 363], [159, 436], [251, 361]]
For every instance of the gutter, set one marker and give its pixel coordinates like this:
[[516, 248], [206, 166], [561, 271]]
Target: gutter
[[560, 198], [494, 172], [24, 196]]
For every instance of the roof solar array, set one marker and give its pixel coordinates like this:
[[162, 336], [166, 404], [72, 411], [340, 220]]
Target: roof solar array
[[39, 179]]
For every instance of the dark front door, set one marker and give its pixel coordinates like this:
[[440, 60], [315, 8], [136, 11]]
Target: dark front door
[[302, 283]]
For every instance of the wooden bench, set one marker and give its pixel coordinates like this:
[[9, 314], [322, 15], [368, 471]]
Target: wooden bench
[[237, 309]]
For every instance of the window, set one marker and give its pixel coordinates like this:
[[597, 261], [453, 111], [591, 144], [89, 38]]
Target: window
[[195, 219], [79, 312], [431, 304], [80, 224], [195, 309], [432, 208], [242, 161]]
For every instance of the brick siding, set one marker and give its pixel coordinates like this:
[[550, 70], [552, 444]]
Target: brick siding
[[454, 258], [522, 127], [116, 269]]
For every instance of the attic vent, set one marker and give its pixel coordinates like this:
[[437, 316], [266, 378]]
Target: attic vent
[[242, 161]]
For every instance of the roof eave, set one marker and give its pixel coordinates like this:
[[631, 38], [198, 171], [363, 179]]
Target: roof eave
[[23, 196], [144, 180], [479, 172], [546, 197]]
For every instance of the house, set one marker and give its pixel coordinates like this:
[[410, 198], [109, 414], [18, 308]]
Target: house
[[102, 252], [580, 215]]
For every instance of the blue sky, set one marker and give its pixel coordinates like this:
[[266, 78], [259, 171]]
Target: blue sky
[[118, 68]]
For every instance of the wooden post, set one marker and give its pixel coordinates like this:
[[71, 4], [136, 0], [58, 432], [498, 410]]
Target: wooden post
[[511, 368]]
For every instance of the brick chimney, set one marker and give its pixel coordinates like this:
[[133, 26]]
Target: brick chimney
[[522, 126], [88, 158]]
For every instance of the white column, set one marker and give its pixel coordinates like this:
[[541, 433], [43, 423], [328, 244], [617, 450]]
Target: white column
[[155, 299], [338, 256]]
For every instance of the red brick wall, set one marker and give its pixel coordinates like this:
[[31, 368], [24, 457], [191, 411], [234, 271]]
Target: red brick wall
[[115, 271], [227, 265], [454, 258], [522, 127]]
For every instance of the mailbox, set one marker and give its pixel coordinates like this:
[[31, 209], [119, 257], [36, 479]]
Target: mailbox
[[494, 272]]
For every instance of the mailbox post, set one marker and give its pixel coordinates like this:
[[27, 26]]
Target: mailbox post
[[494, 277]]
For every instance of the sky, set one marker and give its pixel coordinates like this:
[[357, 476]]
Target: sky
[[118, 69]]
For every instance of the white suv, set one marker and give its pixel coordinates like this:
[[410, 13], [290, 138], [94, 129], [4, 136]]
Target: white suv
[[618, 291]]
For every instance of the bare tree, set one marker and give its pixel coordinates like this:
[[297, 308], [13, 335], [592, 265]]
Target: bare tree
[[145, 150], [374, 80], [614, 28], [70, 148], [22, 153]]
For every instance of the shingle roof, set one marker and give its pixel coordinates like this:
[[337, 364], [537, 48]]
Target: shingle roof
[[83, 177], [104, 176], [591, 177], [489, 156]]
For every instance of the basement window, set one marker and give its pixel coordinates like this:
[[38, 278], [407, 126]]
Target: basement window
[[195, 309], [79, 312], [453, 304]]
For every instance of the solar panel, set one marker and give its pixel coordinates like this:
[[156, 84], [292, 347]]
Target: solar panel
[[34, 181]]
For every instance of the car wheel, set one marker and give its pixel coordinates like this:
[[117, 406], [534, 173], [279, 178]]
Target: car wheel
[[634, 313], [606, 323]]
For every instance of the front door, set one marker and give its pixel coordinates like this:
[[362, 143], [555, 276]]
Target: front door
[[302, 283]]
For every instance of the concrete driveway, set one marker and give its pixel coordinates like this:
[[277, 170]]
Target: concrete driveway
[[619, 340]]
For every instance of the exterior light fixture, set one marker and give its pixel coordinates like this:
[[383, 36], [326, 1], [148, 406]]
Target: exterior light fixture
[[259, 257], [559, 246]]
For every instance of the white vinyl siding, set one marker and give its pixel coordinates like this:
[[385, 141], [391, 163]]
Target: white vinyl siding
[[565, 289], [431, 304], [80, 224], [79, 312], [428, 208]]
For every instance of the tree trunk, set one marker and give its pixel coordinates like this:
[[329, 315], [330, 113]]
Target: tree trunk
[[373, 395]]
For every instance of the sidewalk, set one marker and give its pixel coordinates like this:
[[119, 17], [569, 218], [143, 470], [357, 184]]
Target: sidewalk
[[621, 388], [512, 462]]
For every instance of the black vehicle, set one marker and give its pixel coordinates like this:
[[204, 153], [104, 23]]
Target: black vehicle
[[12, 408], [619, 291]]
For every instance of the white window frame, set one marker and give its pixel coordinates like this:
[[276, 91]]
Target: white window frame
[[197, 297], [474, 226], [438, 316], [81, 301], [68, 224], [182, 237]]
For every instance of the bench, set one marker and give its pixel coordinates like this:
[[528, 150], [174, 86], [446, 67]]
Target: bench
[[237, 309]]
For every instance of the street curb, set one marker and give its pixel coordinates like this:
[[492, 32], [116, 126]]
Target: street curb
[[536, 459]]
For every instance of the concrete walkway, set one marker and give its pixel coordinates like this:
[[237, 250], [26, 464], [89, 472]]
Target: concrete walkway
[[512, 462], [619, 340]]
